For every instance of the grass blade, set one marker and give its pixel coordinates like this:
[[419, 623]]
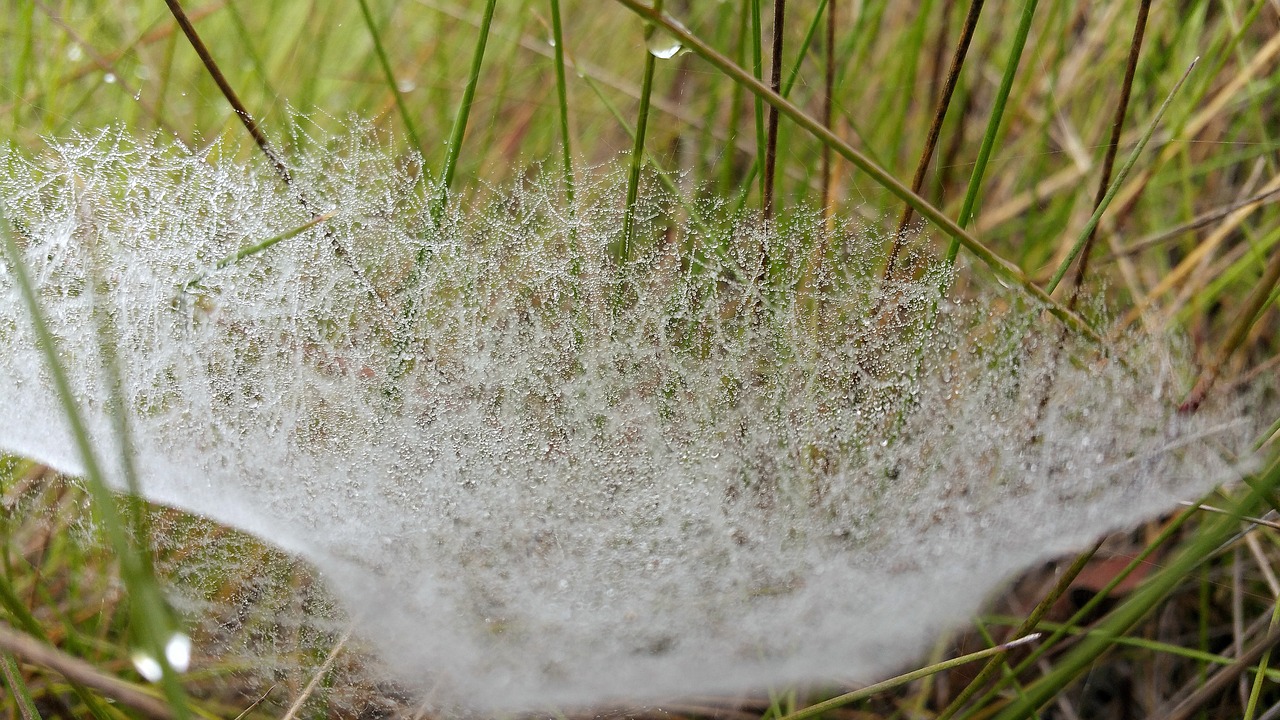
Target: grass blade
[[1121, 175], [757, 69], [873, 690], [256, 248], [967, 207], [152, 619], [215, 72], [562, 99], [390, 76], [935, 128], [1141, 602], [637, 148], [459, 130], [775, 84], [1113, 144]]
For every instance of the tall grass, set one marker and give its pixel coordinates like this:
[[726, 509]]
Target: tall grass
[[1030, 115]]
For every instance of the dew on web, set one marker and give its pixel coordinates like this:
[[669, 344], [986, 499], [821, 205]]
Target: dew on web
[[531, 477]]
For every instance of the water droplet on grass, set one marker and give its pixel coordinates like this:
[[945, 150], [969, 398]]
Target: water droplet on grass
[[661, 45]]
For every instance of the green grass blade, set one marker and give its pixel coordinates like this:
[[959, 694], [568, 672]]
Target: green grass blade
[[1121, 175], [970, 202], [459, 130], [18, 687], [152, 618], [390, 76], [637, 149], [257, 247], [1140, 603], [562, 100], [873, 690]]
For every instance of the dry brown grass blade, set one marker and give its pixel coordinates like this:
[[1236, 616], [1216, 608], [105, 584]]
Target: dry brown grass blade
[[1113, 145], [37, 653], [215, 72], [320, 672], [1069, 178], [1202, 220], [1193, 259]]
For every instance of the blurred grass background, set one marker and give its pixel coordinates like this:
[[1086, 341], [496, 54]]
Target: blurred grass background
[[1188, 245]]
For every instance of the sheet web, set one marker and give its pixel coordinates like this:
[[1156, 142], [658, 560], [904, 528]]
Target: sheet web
[[533, 478]]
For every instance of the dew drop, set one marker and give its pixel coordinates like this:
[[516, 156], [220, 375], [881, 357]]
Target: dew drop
[[661, 45], [147, 666], [178, 651], [109, 78]]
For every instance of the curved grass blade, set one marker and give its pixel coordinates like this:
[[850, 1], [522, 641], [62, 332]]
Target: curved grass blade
[[152, 619]]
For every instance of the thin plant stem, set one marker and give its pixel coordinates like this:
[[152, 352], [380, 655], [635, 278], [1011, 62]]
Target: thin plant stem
[[390, 76], [968, 206], [265, 145], [1113, 144], [1030, 623], [998, 265], [935, 128], [873, 690], [562, 98], [1121, 175], [664, 175], [775, 84], [757, 70], [1258, 301], [459, 130], [1211, 536], [828, 104], [753, 171], [637, 149], [256, 248], [215, 72]]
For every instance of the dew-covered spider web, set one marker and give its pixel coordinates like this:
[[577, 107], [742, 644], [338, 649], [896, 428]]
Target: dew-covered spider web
[[535, 476]]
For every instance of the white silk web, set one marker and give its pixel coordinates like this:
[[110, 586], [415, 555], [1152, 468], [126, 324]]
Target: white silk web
[[536, 479]]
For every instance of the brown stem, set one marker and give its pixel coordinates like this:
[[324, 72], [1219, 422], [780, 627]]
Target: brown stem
[[829, 82], [1117, 127], [234, 100], [935, 128], [775, 84]]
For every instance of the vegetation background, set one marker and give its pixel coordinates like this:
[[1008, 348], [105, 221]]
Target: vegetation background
[[495, 93]]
